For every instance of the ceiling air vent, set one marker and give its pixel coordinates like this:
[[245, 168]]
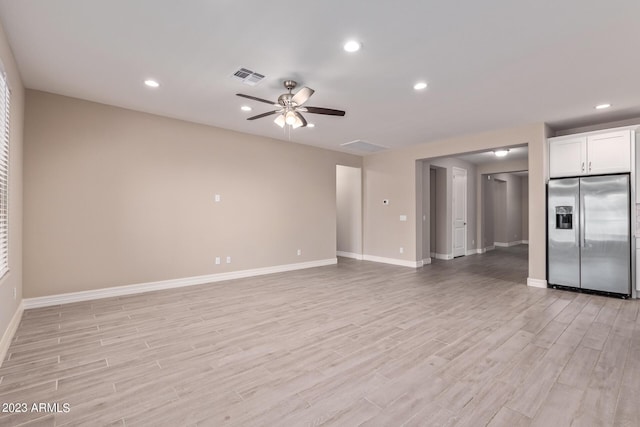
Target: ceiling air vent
[[364, 146], [247, 76]]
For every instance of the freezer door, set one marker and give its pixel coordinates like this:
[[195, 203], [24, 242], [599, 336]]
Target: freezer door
[[563, 230], [605, 243]]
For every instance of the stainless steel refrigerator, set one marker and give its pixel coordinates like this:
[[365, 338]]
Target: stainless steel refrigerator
[[589, 233]]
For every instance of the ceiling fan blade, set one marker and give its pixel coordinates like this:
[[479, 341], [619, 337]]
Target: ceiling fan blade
[[259, 116], [327, 111], [258, 99], [302, 95]]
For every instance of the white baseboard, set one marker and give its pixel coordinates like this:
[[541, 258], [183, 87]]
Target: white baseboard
[[432, 254], [525, 242], [508, 244], [444, 256], [536, 283], [349, 255], [426, 261], [474, 251], [50, 300], [10, 332], [394, 261]]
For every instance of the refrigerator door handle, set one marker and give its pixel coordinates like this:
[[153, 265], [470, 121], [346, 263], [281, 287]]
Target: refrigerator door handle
[[582, 231]]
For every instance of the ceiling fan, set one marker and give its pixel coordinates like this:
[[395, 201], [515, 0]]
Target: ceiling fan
[[290, 106]]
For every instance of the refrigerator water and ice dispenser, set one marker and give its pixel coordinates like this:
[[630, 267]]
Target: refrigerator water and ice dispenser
[[564, 217]]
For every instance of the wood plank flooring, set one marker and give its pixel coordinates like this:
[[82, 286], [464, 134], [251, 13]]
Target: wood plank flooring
[[455, 343]]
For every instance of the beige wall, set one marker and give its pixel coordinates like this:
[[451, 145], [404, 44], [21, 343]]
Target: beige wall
[[13, 279], [117, 197], [392, 175], [349, 209]]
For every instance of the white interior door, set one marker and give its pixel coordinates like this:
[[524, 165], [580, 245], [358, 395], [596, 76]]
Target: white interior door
[[459, 212]]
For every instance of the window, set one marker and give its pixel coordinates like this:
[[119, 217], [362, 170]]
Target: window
[[4, 174]]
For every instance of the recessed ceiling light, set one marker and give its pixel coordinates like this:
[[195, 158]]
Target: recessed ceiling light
[[501, 153], [151, 83], [245, 108], [310, 125], [352, 46], [602, 106], [420, 86]]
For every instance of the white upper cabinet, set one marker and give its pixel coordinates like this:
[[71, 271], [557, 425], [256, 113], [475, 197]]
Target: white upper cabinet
[[568, 157], [590, 154], [609, 152]]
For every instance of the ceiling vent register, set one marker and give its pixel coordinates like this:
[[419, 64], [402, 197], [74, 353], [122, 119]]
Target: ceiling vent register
[[360, 145], [248, 77]]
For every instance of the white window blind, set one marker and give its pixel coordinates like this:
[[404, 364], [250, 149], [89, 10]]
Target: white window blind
[[4, 174]]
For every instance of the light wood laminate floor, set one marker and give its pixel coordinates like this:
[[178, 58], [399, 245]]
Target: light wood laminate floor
[[456, 343]]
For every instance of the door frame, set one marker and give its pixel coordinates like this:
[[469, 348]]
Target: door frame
[[460, 172]]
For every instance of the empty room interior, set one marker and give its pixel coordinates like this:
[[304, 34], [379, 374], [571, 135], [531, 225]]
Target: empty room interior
[[319, 213]]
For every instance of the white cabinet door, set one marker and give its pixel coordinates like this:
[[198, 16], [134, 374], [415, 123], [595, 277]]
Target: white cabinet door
[[568, 157], [609, 152]]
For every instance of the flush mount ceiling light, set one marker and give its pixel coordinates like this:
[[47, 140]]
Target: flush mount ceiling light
[[420, 86], [602, 106], [501, 153], [151, 83], [351, 46], [245, 108], [310, 125]]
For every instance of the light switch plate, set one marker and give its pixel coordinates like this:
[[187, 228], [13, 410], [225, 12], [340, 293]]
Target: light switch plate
[[403, 217]]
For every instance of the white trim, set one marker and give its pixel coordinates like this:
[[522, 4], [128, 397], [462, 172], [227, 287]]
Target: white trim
[[349, 255], [115, 291], [444, 256], [426, 261], [10, 332], [536, 283], [489, 248], [394, 261], [525, 242], [474, 251], [509, 244]]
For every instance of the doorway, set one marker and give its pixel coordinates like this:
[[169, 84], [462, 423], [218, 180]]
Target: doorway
[[348, 212]]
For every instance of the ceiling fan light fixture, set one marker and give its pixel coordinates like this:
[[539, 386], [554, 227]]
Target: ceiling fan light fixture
[[245, 108], [501, 153], [420, 86], [298, 122], [151, 83], [310, 125], [290, 118], [280, 121]]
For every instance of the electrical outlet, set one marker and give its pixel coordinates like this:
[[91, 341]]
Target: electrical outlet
[[401, 250], [217, 260], [299, 252], [228, 260]]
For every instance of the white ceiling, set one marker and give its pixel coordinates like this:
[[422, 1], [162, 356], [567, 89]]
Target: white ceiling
[[489, 64]]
